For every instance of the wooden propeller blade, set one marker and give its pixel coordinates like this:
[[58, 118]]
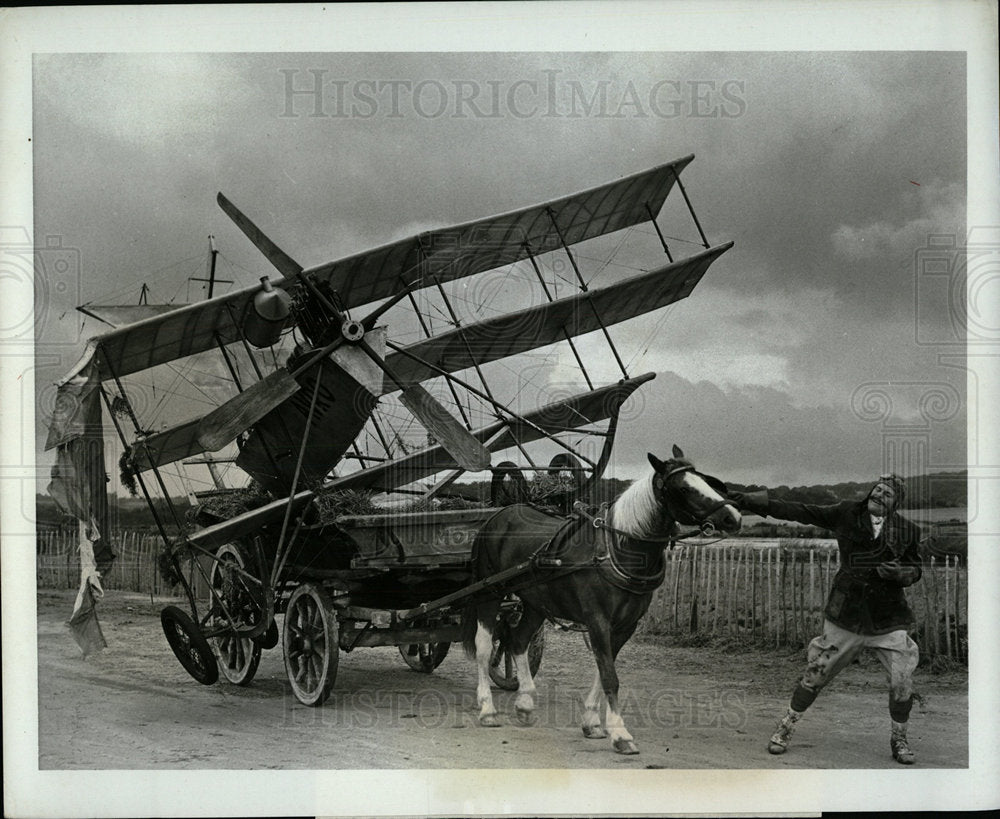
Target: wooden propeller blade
[[457, 441], [285, 264]]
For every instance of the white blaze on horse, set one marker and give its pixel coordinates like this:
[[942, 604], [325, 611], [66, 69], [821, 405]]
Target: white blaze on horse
[[599, 572]]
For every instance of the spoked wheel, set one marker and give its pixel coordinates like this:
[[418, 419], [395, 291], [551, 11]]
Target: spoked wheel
[[311, 643], [238, 656], [424, 657], [503, 672], [189, 645]]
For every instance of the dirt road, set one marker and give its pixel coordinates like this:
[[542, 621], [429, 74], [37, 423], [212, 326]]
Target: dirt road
[[134, 707]]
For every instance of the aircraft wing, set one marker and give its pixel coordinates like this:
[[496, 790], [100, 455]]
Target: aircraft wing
[[445, 254], [574, 412], [496, 241], [547, 323], [164, 337]]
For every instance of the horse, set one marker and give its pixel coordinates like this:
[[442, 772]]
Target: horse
[[598, 572]]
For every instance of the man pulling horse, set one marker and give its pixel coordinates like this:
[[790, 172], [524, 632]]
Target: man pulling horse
[[867, 607], [599, 572]]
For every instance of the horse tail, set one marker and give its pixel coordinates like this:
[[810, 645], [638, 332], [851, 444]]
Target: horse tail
[[470, 622], [484, 543]]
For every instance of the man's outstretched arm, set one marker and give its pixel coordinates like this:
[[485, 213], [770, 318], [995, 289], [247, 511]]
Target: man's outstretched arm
[[761, 503]]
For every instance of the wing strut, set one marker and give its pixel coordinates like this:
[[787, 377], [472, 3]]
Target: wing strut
[[428, 334], [583, 287], [663, 241], [496, 404], [687, 201], [473, 359], [548, 295]]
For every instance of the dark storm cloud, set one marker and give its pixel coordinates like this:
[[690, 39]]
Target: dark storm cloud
[[828, 170]]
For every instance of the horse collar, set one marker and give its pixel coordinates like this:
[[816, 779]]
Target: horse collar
[[613, 560]]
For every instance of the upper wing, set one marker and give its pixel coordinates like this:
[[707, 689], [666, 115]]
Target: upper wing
[[496, 241], [442, 255], [158, 339]]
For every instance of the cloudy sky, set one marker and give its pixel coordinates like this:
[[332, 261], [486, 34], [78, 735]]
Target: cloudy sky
[[820, 348]]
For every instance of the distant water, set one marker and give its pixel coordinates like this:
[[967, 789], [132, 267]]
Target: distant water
[[935, 515]]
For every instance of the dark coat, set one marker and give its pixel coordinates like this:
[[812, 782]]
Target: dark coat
[[860, 600]]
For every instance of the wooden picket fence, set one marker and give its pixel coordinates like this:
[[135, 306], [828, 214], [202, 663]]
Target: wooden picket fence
[[135, 569], [771, 593], [768, 593]]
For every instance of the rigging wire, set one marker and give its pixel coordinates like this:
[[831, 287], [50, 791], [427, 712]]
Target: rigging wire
[[152, 276]]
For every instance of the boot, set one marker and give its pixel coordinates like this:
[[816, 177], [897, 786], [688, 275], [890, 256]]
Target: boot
[[783, 733], [900, 747]]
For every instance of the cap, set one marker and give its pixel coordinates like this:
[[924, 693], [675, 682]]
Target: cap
[[895, 483]]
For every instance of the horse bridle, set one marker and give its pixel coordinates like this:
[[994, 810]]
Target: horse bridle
[[705, 526]]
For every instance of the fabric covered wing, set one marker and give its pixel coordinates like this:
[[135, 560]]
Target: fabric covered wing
[[548, 323], [183, 331], [445, 254], [486, 244]]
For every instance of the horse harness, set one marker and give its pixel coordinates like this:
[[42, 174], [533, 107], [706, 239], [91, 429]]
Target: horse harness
[[638, 571]]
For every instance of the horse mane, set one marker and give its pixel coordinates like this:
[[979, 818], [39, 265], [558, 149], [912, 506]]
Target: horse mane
[[638, 513]]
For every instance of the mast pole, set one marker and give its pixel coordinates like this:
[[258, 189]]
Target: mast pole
[[211, 271], [583, 286]]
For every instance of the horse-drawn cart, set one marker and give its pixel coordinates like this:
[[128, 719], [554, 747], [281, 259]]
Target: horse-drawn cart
[[396, 579], [318, 403]]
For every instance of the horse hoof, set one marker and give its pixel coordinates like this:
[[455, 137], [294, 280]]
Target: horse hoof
[[594, 732], [625, 746], [526, 717], [489, 721]]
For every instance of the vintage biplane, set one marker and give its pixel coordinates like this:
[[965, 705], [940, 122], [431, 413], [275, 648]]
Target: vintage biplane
[[325, 363]]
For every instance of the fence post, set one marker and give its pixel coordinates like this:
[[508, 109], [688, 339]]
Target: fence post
[[693, 618], [958, 608], [676, 583], [771, 619], [947, 605], [812, 589]]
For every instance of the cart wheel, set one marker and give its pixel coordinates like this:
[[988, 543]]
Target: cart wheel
[[502, 669], [189, 645], [311, 641], [424, 657], [238, 656], [508, 485]]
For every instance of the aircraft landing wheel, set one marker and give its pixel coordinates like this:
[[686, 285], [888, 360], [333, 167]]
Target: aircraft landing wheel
[[189, 645], [311, 642]]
